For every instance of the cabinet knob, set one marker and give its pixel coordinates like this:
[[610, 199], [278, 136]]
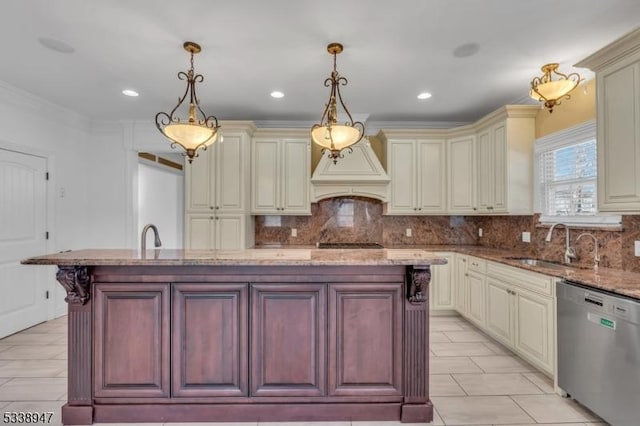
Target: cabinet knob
[[211, 217], [475, 208], [489, 207], [464, 260], [217, 218], [420, 208], [211, 207], [466, 275], [217, 207]]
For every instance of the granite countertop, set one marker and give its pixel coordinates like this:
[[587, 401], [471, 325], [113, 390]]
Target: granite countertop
[[613, 280], [298, 256]]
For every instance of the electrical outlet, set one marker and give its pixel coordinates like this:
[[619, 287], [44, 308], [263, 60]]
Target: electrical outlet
[[479, 232], [294, 232], [637, 248], [408, 233], [526, 237]]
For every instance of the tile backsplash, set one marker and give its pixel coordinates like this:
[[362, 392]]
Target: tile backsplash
[[356, 219]]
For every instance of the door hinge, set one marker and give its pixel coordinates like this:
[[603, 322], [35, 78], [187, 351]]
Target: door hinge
[[46, 176], [46, 294], [46, 235]]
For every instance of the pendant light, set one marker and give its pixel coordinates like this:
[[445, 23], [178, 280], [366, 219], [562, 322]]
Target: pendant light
[[332, 136], [549, 91], [196, 131]]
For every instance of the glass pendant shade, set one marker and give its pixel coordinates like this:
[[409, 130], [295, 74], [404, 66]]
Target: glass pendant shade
[[198, 130], [336, 136], [549, 91], [332, 136]]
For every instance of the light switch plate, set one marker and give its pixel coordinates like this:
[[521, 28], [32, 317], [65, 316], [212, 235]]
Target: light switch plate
[[526, 237], [294, 232], [408, 232], [637, 248], [479, 232]]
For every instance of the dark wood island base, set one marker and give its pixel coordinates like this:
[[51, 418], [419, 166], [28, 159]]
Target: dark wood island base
[[207, 343]]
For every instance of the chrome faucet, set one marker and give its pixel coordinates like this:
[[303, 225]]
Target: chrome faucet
[[596, 256], [569, 252], [143, 237]]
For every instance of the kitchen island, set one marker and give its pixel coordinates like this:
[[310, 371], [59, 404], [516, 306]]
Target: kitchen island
[[248, 335]]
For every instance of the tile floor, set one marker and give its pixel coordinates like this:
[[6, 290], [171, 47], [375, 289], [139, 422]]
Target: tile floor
[[474, 381]]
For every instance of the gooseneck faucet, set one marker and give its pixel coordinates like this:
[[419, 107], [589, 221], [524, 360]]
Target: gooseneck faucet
[[569, 252], [143, 237], [596, 256]]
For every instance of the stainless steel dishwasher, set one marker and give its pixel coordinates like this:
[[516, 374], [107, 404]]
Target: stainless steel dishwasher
[[599, 351]]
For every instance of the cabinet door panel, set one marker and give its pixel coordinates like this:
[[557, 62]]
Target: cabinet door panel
[[365, 339], [230, 174], [533, 339], [431, 176], [476, 301], [461, 284], [266, 172], [500, 165], [461, 159], [402, 173], [441, 290], [619, 138], [210, 340], [200, 232], [288, 340], [200, 187], [229, 231], [131, 340], [485, 169], [499, 311], [295, 175]]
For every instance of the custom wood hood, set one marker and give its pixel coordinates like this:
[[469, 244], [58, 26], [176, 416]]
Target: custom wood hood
[[358, 173]]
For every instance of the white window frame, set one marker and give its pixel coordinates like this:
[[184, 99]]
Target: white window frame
[[571, 136]]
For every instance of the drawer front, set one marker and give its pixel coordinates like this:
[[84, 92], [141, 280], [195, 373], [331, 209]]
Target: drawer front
[[477, 265], [533, 281]]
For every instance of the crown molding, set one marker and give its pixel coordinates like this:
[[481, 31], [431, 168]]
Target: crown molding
[[626, 45], [22, 99]]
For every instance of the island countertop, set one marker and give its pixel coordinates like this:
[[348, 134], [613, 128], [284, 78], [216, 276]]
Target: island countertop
[[249, 257]]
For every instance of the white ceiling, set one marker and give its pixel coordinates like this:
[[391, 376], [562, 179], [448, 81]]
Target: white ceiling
[[393, 51]]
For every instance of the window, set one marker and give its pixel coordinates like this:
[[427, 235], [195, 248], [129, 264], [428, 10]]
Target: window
[[566, 175]]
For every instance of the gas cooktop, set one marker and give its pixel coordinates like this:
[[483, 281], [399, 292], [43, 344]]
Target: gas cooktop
[[349, 245]]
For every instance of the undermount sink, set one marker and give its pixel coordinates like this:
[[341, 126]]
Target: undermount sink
[[538, 262]]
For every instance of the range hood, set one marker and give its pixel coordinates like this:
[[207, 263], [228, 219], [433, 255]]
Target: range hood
[[358, 173]]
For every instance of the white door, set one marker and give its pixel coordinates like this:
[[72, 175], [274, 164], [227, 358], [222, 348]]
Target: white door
[[23, 193]]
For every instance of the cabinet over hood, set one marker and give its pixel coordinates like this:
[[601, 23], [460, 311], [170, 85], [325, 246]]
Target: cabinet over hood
[[359, 173]]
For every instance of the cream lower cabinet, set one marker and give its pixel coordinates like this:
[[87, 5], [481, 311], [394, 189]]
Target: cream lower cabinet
[[476, 284], [441, 289], [221, 232], [281, 170], [460, 284], [469, 294], [520, 313]]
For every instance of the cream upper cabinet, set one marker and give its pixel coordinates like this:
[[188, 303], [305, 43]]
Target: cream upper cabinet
[[417, 171], [461, 173], [504, 155], [217, 187], [218, 232], [217, 180], [492, 169], [441, 291], [281, 172], [617, 68]]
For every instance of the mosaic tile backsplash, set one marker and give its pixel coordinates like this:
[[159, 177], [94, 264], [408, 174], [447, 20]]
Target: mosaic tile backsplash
[[355, 219]]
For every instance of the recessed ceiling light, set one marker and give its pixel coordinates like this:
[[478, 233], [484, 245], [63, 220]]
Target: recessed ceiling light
[[276, 94], [129, 92], [424, 95], [57, 45]]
